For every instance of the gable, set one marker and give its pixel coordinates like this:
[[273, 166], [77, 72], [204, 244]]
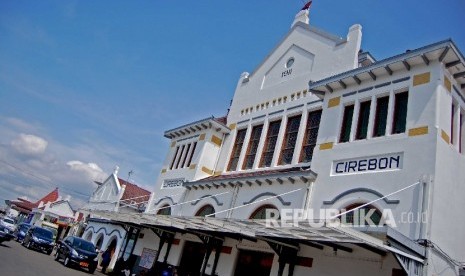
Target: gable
[[108, 190], [295, 62], [61, 208]]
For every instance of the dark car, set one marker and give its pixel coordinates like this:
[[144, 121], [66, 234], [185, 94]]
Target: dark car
[[77, 252], [5, 234], [21, 231], [40, 239]]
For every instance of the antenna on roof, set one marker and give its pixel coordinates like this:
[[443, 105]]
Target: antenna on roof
[[129, 174]]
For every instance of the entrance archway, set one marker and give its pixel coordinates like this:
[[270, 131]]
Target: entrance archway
[[192, 258]]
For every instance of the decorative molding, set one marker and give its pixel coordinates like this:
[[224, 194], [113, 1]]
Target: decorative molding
[[284, 203], [104, 230], [202, 137], [161, 199], [193, 166], [209, 196], [232, 126], [173, 144], [357, 190], [163, 170], [421, 78], [349, 94], [401, 80], [418, 131]]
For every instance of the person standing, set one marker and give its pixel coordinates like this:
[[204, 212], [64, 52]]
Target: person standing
[[106, 257]]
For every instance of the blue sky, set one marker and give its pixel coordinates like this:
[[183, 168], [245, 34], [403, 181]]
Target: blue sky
[[87, 85]]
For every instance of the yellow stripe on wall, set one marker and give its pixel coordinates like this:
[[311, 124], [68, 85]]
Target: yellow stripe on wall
[[216, 140], [418, 131], [326, 146], [447, 84], [445, 136], [207, 170], [334, 102], [421, 78]]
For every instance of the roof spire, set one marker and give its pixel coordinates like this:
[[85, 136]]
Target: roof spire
[[302, 15]]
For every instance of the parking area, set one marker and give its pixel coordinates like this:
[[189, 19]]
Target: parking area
[[18, 260]]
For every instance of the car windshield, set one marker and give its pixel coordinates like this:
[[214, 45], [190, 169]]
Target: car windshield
[[24, 227], [84, 245], [43, 233], [10, 221]]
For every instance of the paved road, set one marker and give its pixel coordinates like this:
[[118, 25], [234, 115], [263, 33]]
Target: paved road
[[18, 260]]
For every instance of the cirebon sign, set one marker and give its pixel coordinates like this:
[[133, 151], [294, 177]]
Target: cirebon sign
[[367, 164]]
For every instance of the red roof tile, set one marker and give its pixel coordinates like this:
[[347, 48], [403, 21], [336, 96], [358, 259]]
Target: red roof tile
[[27, 205], [134, 192], [51, 197]]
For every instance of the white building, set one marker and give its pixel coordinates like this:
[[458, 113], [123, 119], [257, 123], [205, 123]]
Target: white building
[[319, 125], [116, 195]]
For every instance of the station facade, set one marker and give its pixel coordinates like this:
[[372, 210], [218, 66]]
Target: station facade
[[318, 128]]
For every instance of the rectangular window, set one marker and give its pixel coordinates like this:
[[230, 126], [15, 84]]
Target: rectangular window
[[311, 134], [180, 156], [400, 113], [452, 123], [174, 158], [191, 154], [236, 152], [270, 144], [346, 123], [253, 146], [363, 118], [379, 128], [185, 156], [290, 139]]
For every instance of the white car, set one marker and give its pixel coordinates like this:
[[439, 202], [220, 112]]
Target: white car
[[8, 223]]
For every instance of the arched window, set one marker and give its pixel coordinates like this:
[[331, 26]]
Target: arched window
[[164, 210], [260, 213], [205, 210], [356, 217]]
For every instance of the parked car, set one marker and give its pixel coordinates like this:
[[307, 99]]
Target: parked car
[[8, 223], [5, 234], [40, 239], [77, 252], [21, 231]]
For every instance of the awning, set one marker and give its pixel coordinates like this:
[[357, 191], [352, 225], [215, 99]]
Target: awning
[[304, 233]]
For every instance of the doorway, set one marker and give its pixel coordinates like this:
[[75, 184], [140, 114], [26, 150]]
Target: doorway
[[192, 258], [253, 263]]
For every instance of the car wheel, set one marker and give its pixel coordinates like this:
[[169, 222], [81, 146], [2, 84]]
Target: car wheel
[[67, 262], [91, 270], [49, 252]]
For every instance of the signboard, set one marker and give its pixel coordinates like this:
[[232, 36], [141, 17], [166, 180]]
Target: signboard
[[172, 183], [147, 258], [367, 164]]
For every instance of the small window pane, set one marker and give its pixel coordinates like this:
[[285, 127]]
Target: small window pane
[[236, 152], [381, 113], [311, 134], [270, 144], [290, 139], [346, 123], [363, 119], [205, 210], [400, 113], [253, 146]]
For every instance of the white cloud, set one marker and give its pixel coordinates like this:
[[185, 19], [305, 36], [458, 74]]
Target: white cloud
[[29, 144], [91, 170]]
